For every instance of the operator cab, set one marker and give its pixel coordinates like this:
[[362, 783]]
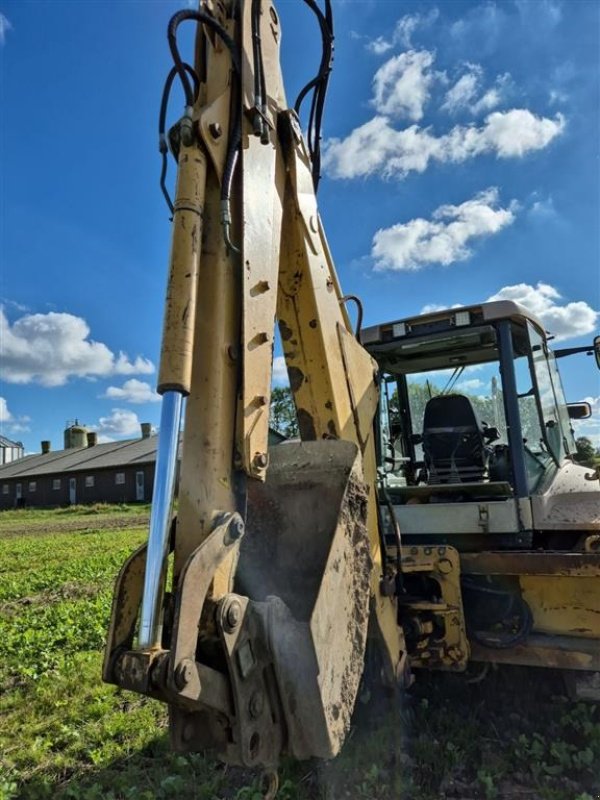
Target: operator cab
[[472, 405]]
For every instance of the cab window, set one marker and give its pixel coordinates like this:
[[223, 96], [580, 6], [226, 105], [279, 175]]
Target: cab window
[[552, 427]]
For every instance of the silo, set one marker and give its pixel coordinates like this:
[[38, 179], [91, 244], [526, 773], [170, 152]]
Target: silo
[[75, 435]]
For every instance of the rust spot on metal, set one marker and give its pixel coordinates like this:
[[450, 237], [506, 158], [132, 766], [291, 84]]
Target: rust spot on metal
[[306, 425], [260, 288], [296, 377], [329, 405], [286, 333], [313, 323], [256, 341], [185, 314]]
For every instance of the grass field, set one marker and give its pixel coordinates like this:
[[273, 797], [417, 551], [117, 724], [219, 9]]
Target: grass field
[[63, 734]]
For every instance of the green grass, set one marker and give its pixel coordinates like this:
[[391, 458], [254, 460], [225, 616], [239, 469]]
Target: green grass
[[64, 734], [11, 516]]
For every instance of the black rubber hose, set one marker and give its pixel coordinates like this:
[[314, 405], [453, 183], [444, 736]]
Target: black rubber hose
[[210, 22], [502, 641], [260, 84], [163, 181], [360, 312], [327, 37], [162, 121], [318, 86], [164, 103]]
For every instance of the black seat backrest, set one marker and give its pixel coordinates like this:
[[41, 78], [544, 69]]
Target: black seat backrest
[[453, 443]]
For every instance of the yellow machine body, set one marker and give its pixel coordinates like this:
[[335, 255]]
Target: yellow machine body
[[279, 569]]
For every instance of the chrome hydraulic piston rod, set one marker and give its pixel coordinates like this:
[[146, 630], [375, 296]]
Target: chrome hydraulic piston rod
[[160, 518], [174, 375]]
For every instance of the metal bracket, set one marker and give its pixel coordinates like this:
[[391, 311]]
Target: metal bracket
[[438, 637], [194, 583]]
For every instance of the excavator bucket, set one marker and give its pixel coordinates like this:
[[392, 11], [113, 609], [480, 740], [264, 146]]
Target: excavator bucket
[[274, 666], [305, 565]]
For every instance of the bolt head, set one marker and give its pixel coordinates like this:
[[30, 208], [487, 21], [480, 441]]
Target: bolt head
[[233, 615], [445, 566], [184, 672], [261, 460], [237, 528], [257, 704]]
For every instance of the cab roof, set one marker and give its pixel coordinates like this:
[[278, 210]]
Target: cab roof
[[478, 314]]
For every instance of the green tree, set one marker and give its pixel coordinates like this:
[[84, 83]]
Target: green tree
[[585, 450], [282, 417]]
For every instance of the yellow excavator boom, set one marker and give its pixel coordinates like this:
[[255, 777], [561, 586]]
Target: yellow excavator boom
[[254, 629]]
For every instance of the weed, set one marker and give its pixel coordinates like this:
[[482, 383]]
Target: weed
[[64, 735]]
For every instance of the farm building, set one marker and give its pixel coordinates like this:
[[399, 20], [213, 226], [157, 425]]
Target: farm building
[[85, 471], [10, 451]]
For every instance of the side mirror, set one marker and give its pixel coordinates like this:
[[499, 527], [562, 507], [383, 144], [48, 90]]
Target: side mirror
[[579, 410], [597, 350]]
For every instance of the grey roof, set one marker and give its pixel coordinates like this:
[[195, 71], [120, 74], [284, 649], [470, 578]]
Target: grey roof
[[77, 459], [101, 456], [4, 442]]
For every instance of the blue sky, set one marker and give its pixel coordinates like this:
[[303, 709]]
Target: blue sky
[[461, 162]]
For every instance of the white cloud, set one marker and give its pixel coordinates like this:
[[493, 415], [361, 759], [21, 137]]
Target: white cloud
[[403, 32], [514, 133], [133, 391], [557, 97], [280, 376], [481, 28], [408, 24], [467, 93], [379, 46], [401, 86], [445, 238], [140, 366], [5, 415], [542, 12], [463, 92], [50, 348], [470, 384], [376, 148], [564, 320], [429, 308], [10, 422], [543, 210], [5, 26], [121, 422]]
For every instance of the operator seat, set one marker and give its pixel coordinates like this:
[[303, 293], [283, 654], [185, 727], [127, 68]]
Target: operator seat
[[454, 444]]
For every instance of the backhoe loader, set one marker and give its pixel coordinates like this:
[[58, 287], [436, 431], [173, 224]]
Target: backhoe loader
[[250, 613], [476, 451]]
